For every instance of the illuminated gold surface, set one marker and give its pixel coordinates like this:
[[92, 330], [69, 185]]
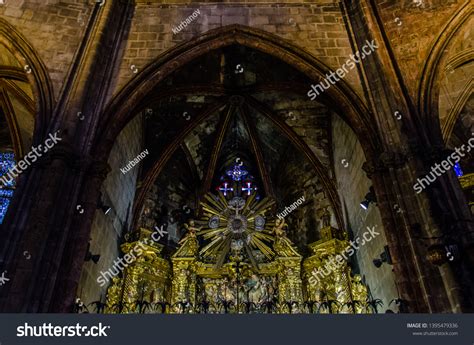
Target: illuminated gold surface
[[281, 284], [467, 181]]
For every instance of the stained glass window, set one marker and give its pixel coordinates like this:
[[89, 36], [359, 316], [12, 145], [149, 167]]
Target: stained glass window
[[457, 170], [237, 182], [237, 172], [248, 187], [7, 161], [224, 188]]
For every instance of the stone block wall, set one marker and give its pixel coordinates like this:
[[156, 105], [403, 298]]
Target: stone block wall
[[456, 82], [118, 192], [315, 27], [353, 186], [410, 39], [54, 29]]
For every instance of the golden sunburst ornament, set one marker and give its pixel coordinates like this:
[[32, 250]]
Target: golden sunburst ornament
[[237, 226]]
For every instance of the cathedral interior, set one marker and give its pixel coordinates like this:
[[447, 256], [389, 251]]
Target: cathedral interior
[[190, 171]]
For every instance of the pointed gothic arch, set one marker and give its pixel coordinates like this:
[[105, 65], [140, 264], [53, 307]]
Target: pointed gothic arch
[[25, 99], [38, 77], [132, 97], [458, 60], [430, 81]]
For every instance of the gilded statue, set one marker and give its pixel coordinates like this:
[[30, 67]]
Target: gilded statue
[[192, 230], [114, 295], [359, 290], [188, 244], [283, 245]]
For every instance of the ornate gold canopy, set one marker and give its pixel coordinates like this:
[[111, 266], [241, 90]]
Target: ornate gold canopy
[[237, 259]]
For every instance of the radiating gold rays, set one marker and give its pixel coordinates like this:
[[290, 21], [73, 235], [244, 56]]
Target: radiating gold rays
[[219, 239]]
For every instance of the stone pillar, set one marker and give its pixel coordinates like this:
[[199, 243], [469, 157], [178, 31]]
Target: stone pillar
[[53, 208], [41, 230], [406, 151], [76, 246]]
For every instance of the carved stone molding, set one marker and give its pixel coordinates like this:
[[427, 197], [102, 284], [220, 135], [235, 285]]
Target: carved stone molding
[[61, 151]]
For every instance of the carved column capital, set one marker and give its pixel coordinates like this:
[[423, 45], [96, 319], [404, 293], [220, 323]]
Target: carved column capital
[[62, 151]]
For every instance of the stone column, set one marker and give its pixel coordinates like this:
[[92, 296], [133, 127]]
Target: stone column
[[77, 241], [53, 208], [412, 222]]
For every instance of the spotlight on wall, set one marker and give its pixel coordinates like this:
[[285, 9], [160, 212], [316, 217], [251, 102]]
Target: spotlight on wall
[[105, 208], [369, 198], [364, 204], [384, 257], [91, 257]]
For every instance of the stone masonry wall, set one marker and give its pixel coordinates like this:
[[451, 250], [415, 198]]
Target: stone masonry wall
[[315, 27], [353, 186], [409, 37], [54, 29], [118, 192]]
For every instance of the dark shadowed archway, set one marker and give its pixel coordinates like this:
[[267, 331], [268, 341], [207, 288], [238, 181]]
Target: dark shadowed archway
[[135, 96]]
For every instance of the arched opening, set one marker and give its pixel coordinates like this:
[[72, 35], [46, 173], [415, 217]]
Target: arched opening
[[444, 75], [446, 94], [16, 123], [225, 124], [25, 102]]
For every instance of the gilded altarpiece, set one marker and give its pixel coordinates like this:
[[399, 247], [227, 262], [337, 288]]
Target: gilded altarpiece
[[237, 258], [145, 282], [327, 276]]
